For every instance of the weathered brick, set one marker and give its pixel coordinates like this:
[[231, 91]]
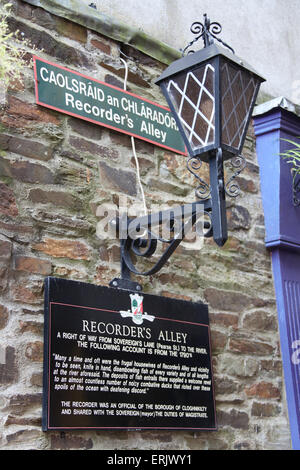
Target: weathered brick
[[171, 161], [26, 171], [50, 45], [5, 248], [101, 45], [23, 421], [234, 418], [32, 311], [183, 281], [133, 77], [247, 186], [33, 265], [69, 442], [42, 18], [232, 244], [260, 321], [156, 435], [64, 27], [118, 138], [218, 340], [21, 403], [265, 410], [263, 390], [104, 275], [25, 437], [16, 84], [72, 174], [117, 179], [70, 30], [168, 187], [31, 326], [37, 379], [172, 295], [24, 10], [4, 316], [243, 445], [69, 273], [4, 272], [246, 345], [224, 319], [103, 254], [224, 385], [227, 300], [4, 140], [97, 151], [272, 367], [34, 351], [86, 129], [111, 80], [28, 293], [139, 56], [8, 368], [260, 247], [8, 204], [252, 169], [18, 113], [238, 366], [57, 198], [238, 218], [59, 220], [114, 253], [18, 232], [144, 164], [30, 148], [61, 248]]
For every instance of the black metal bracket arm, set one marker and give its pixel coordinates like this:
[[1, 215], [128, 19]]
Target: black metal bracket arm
[[137, 237]]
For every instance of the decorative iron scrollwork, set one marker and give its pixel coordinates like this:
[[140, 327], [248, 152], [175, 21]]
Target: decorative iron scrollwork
[[238, 164], [208, 32], [145, 245], [194, 165]]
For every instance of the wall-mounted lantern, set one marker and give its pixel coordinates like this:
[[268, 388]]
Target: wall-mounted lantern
[[211, 94]]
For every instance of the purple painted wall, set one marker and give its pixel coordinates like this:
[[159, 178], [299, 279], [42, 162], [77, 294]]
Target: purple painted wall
[[282, 221]]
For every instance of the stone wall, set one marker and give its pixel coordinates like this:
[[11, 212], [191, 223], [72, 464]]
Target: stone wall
[[55, 172]]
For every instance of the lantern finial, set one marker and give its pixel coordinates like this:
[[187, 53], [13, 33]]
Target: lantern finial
[[207, 31]]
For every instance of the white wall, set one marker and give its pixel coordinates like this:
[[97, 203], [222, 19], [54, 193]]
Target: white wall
[[264, 33]]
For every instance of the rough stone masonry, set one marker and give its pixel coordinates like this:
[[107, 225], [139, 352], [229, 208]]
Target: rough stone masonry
[[55, 171]]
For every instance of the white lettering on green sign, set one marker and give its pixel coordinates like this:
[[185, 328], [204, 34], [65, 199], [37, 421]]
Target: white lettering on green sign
[[89, 99]]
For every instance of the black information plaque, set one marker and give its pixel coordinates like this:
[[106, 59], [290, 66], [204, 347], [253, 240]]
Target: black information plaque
[[116, 359]]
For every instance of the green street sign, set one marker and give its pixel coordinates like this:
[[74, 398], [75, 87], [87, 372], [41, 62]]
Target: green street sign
[[86, 98]]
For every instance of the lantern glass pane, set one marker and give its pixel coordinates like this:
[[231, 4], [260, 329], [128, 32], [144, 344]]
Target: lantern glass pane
[[192, 95], [238, 88]]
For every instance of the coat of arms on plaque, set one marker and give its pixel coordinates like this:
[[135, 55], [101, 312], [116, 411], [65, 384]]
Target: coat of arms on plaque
[[137, 311]]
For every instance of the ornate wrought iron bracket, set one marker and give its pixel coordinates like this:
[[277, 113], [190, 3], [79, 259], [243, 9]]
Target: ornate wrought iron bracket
[[137, 238]]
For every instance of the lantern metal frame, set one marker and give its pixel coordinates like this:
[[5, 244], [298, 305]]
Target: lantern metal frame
[[212, 55], [211, 197]]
